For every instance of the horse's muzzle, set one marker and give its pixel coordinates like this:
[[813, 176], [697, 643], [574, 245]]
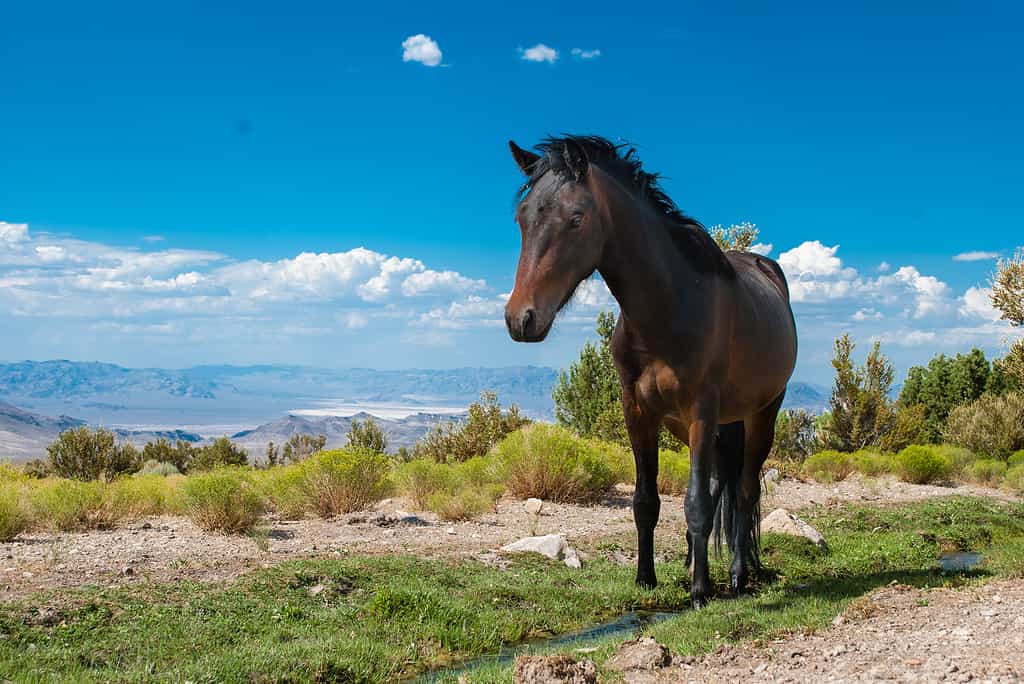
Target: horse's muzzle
[[524, 327]]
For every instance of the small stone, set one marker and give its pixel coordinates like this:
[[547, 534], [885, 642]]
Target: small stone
[[533, 506], [449, 530], [316, 589], [556, 669], [640, 654], [760, 668], [127, 571], [772, 475], [781, 521]]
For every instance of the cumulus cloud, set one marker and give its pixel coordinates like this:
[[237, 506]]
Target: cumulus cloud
[[13, 232], [764, 249], [976, 256], [884, 267], [586, 54], [539, 53], [977, 303], [423, 49], [592, 293]]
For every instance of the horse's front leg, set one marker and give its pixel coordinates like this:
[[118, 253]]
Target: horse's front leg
[[643, 436], [700, 500]]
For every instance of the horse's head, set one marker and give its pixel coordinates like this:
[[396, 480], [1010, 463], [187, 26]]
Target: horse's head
[[562, 239]]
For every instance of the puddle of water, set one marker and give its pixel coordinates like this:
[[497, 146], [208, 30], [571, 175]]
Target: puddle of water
[[959, 561], [624, 627]]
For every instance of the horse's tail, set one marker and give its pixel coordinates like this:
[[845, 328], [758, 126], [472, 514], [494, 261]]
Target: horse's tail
[[730, 469]]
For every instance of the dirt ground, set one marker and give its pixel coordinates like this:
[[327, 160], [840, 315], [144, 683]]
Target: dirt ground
[[894, 634], [165, 549]]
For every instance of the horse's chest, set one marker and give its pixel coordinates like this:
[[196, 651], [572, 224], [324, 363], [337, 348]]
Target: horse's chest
[[662, 386]]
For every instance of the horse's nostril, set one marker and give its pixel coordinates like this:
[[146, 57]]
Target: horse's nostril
[[527, 321]]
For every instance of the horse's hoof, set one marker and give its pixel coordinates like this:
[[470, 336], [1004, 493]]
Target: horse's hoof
[[738, 583], [646, 581], [699, 600]]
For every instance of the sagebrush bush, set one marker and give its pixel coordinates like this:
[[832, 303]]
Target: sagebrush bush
[[1014, 479], [223, 500], [673, 472], [222, 452], [71, 505], [346, 480], [960, 457], [86, 454], [551, 463], [986, 471], [828, 466], [464, 504], [162, 468], [15, 517], [992, 426], [922, 465], [287, 490], [1016, 459], [141, 495], [420, 479], [872, 463]]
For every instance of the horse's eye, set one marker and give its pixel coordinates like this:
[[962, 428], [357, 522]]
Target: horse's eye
[[576, 220]]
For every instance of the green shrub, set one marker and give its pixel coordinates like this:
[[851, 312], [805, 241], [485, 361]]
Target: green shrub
[[986, 471], [15, 517], [960, 457], [420, 479], [993, 426], [344, 480], [1014, 479], [366, 436], [828, 466], [464, 504], [794, 435], [85, 454], [287, 489], [921, 465], [161, 468], [549, 462], [10, 474], [673, 472], [71, 505], [485, 425], [142, 495], [1016, 459], [872, 463], [181, 454], [223, 500], [220, 454]]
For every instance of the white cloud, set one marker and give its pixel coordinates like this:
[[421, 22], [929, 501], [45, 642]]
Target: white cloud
[[811, 259], [433, 282], [539, 53], [977, 303], [153, 238], [764, 249], [931, 295], [13, 232], [976, 256], [586, 54], [868, 314], [884, 267], [421, 48], [354, 320], [592, 293]]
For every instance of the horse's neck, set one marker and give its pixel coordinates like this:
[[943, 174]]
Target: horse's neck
[[646, 274]]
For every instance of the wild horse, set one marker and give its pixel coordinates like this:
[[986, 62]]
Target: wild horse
[[705, 340]]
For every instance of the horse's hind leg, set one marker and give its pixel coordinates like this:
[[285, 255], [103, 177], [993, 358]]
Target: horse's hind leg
[[759, 432]]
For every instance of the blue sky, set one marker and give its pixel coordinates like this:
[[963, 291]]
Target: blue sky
[[162, 168]]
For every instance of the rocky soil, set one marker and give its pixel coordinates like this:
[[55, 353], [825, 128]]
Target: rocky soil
[[898, 634], [164, 549]]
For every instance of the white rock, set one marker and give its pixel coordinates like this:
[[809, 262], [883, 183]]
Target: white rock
[[781, 521], [772, 475], [552, 546], [533, 506]]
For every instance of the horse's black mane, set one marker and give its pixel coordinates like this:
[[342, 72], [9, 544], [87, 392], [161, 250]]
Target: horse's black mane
[[565, 156]]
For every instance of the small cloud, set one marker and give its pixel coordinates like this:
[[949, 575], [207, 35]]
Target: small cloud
[[421, 48], [762, 248], [867, 315], [586, 54], [153, 238], [976, 256], [884, 267], [539, 53], [354, 320]]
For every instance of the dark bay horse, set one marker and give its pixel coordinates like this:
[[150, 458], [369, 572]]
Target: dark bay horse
[[705, 341]]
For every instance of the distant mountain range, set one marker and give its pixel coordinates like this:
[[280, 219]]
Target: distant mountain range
[[258, 404]]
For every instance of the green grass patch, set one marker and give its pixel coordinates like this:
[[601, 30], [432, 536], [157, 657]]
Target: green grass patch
[[379, 619]]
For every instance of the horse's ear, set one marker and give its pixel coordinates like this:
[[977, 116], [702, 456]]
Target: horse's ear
[[524, 158]]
